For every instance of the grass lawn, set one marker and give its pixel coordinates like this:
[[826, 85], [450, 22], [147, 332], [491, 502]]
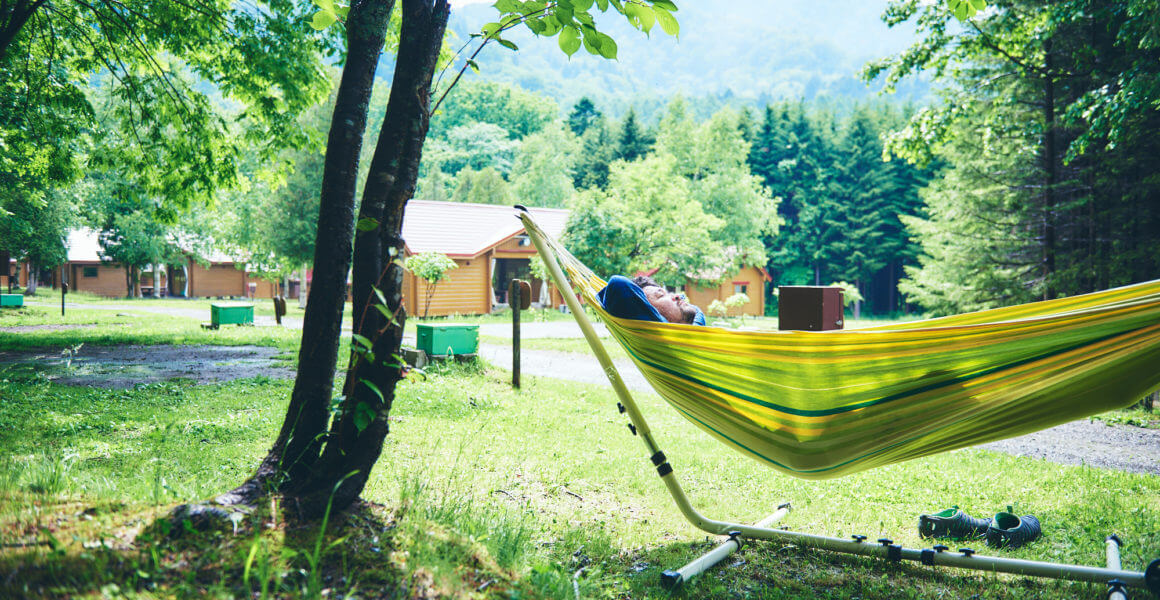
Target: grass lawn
[[262, 306], [484, 492], [46, 328]]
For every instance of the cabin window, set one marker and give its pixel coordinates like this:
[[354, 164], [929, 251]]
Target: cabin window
[[741, 287], [89, 271]]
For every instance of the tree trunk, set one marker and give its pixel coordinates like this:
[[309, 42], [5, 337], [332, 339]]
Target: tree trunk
[[12, 19], [308, 462], [33, 280], [302, 291], [857, 303], [356, 436], [293, 457], [1049, 162]]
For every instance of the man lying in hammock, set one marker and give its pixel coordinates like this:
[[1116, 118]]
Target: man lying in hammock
[[644, 299]]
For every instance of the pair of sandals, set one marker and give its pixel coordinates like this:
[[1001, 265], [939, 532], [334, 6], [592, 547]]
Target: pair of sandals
[[1004, 530]]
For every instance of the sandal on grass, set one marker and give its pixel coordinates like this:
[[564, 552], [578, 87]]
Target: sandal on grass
[[1008, 530], [951, 523]]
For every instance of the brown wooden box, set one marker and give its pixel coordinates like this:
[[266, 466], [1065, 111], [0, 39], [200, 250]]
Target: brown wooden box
[[809, 308]]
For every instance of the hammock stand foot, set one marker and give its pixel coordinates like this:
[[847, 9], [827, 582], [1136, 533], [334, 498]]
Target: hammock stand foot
[[1116, 578], [672, 579], [964, 558]]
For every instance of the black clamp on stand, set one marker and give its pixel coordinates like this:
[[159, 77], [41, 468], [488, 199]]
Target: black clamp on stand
[[893, 551]]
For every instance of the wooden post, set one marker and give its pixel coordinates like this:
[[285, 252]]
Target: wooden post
[[279, 308], [514, 301], [63, 291]]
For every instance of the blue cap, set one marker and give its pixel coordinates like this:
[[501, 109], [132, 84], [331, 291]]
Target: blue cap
[[700, 318]]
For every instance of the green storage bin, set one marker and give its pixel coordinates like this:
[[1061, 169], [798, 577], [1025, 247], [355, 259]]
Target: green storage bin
[[437, 340], [231, 314], [11, 300]]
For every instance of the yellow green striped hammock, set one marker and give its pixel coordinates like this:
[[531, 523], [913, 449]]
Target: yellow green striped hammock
[[823, 404]]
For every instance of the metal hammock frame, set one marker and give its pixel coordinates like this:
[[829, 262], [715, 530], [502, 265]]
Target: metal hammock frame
[[1113, 575]]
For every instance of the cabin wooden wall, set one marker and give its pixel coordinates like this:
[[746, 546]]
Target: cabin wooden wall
[[222, 279], [465, 291], [109, 282], [751, 277]]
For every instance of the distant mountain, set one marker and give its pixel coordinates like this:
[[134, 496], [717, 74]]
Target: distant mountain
[[740, 52]]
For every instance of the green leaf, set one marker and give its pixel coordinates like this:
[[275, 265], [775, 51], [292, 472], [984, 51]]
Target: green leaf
[[364, 415], [362, 341], [551, 26], [507, 6], [962, 10], [326, 5], [602, 5], [619, 7], [569, 40], [323, 19], [978, 4], [665, 4], [507, 44], [379, 295], [591, 39], [489, 29], [641, 17], [367, 224], [581, 5], [474, 66], [667, 21], [374, 388], [607, 46], [386, 313]]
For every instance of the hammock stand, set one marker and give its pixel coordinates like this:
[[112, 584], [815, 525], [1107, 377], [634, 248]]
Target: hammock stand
[[1116, 578]]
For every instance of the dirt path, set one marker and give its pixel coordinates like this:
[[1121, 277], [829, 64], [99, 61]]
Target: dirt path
[[123, 367]]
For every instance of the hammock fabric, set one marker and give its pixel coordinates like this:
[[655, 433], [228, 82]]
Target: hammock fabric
[[818, 405]]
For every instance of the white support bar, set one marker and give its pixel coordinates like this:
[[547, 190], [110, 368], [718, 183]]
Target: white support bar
[[672, 579]]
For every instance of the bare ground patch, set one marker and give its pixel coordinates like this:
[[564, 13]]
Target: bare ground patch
[[28, 328], [126, 366]]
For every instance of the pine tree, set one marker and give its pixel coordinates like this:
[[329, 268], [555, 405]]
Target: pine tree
[[633, 142], [583, 115], [597, 152]]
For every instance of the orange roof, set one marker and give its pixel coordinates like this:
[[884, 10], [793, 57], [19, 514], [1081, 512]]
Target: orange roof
[[463, 230]]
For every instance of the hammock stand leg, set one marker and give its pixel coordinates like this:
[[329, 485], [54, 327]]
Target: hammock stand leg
[[672, 579], [964, 558]]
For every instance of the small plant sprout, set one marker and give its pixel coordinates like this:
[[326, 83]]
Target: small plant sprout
[[431, 267]]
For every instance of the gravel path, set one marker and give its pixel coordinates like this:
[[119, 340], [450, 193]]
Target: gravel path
[[564, 365], [1092, 443]]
